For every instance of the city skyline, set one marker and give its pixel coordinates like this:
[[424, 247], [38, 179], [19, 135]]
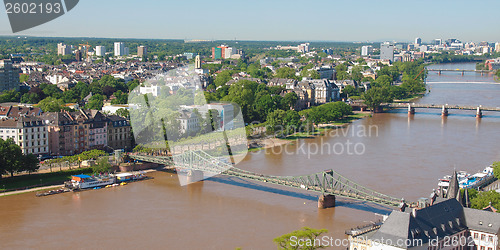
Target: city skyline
[[321, 20]]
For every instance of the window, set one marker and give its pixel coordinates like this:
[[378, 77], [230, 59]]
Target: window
[[490, 238], [483, 237]]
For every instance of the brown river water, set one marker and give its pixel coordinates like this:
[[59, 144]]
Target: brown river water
[[389, 152]]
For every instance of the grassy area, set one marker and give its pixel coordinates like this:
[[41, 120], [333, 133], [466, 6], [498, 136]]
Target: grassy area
[[45, 179]]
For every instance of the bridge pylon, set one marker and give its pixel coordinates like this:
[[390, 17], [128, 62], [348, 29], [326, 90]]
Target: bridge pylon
[[326, 201], [411, 110], [479, 113], [444, 111]]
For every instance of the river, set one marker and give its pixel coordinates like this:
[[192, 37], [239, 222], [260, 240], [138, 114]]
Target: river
[[390, 152]]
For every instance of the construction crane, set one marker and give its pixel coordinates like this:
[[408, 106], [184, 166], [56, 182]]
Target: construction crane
[[86, 46], [419, 74]]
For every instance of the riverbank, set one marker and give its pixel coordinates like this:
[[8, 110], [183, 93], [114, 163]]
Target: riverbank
[[257, 145]]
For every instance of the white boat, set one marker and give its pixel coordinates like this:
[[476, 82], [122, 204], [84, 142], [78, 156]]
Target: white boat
[[83, 181]]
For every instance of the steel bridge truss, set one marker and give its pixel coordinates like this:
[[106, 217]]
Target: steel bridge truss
[[326, 182]]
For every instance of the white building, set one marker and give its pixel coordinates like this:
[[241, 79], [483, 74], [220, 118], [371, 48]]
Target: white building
[[225, 110], [100, 50], [63, 49], [153, 90], [497, 47], [120, 49], [30, 133], [387, 51], [366, 50], [189, 121], [56, 79], [111, 109]]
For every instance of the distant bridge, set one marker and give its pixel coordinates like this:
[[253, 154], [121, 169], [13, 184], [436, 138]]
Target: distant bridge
[[329, 183], [461, 70], [444, 107]]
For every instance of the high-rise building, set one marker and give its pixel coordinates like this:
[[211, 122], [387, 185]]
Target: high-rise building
[[120, 49], [197, 62], [100, 50], [78, 55], [418, 41], [63, 49], [497, 47], [142, 51], [438, 42], [216, 53], [9, 76], [366, 50], [387, 51]]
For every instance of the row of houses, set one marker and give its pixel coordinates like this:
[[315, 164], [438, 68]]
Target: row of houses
[[63, 133]]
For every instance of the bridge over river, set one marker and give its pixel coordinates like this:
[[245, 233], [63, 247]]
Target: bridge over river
[[444, 108], [329, 183]]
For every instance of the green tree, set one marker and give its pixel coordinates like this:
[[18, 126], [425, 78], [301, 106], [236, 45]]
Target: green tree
[[483, 199], [286, 72], [290, 99], [123, 112], [51, 104], [306, 236], [496, 169], [223, 77], [23, 77], [102, 166], [376, 96], [95, 102]]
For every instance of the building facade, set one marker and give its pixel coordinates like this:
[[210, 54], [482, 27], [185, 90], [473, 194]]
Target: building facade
[[63, 49], [9, 76], [100, 50], [30, 133], [119, 133], [387, 52], [142, 51]]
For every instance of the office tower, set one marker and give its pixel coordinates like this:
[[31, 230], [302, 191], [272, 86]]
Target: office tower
[[100, 50], [418, 41], [63, 49], [120, 49], [142, 51], [387, 51], [366, 50], [9, 76]]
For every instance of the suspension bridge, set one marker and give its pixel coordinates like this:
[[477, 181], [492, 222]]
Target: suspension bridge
[[329, 183]]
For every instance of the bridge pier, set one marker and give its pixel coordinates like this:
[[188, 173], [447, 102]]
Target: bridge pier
[[479, 113], [326, 201], [194, 176], [444, 111], [439, 73], [463, 73], [411, 110]]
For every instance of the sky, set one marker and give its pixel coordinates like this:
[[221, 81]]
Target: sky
[[275, 20]]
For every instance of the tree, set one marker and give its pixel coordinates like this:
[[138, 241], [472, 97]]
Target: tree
[[23, 77], [286, 72], [305, 236], [376, 96], [350, 91], [290, 99], [223, 77], [102, 166], [123, 112], [121, 98], [483, 199], [496, 169], [95, 102], [51, 104]]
